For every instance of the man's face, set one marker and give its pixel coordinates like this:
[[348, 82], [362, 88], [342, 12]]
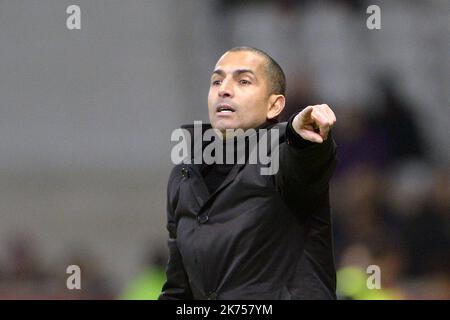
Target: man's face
[[238, 94]]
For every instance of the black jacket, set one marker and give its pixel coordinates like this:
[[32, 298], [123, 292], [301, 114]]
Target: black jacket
[[257, 236]]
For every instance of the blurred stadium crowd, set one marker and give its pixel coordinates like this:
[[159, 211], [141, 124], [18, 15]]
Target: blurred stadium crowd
[[391, 189], [391, 208]]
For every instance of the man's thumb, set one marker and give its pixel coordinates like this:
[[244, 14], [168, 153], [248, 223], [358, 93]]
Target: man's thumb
[[305, 114]]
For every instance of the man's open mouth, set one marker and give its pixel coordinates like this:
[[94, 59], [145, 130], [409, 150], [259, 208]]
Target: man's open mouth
[[224, 108]]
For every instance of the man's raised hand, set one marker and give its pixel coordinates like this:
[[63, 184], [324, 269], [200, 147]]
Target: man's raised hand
[[310, 119]]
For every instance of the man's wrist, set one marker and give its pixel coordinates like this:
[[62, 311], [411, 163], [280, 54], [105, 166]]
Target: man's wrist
[[293, 138]]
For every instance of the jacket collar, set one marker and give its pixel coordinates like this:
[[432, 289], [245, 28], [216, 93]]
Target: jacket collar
[[206, 126], [198, 186]]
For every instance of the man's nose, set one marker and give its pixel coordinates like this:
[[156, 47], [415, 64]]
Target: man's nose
[[226, 89]]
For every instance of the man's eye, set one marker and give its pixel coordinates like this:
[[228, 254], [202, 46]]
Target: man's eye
[[216, 82], [244, 82]]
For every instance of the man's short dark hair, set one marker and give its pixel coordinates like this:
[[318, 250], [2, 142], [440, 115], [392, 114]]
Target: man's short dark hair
[[275, 75]]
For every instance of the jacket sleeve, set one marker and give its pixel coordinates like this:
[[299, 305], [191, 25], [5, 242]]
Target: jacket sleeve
[[305, 171], [176, 286]]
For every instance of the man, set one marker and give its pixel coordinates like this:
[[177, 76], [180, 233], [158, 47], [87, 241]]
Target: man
[[237, 234]]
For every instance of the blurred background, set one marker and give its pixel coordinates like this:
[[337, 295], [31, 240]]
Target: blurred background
[[86, 117]]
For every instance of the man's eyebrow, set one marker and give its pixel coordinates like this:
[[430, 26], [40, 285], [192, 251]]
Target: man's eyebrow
[[241, 71], [220, 72]]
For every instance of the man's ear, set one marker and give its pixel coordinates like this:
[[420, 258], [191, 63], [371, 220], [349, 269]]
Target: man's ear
[[276, 105]]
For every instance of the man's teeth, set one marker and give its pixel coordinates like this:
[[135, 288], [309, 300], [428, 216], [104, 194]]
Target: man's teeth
[[225, 110]]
